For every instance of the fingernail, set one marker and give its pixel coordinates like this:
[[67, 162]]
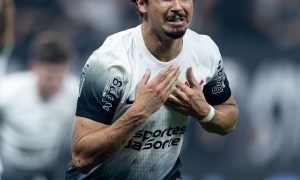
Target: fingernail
[[148, 71]]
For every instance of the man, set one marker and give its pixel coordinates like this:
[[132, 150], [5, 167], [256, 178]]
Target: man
[[37, 108], [137, 91]]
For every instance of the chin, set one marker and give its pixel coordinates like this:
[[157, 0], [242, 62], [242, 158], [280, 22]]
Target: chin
[[178, 33]]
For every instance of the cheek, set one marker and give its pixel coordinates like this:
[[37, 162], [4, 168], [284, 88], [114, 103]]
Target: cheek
[[165, 4], [189, 12], [155, 18]]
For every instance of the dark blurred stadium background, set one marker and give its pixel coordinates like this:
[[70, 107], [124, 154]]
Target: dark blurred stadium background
[[260, 43]]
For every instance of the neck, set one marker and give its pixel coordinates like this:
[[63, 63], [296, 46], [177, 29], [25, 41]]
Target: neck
[[163, 49]]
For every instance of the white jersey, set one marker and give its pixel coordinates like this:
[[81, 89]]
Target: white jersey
[[33, 130], [107, 90]]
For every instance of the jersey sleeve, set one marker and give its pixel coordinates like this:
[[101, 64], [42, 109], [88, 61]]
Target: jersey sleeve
[[217, 90], [101, 89]]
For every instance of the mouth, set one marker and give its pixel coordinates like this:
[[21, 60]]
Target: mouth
[[176, 20]]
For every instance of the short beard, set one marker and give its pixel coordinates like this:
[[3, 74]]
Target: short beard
[[178, 33]]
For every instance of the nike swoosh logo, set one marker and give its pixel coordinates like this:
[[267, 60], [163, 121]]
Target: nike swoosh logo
[[129, 101]]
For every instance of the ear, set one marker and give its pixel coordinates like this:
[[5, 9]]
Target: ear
[[142, 6]]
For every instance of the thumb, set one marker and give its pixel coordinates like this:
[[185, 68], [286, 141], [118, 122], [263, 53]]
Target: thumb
[[146, 77], [191, 78]]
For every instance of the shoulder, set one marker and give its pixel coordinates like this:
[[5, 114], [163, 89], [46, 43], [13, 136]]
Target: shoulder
[[203, 49], [202, 42], [111, 56], [117, 44], [199, 38], [113, 52], [19, 79], [120, 37], [16, 84]]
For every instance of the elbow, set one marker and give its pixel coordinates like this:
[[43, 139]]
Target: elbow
[[228, 130], [85, 161], [81, 164], [232, 125], [222, 130]]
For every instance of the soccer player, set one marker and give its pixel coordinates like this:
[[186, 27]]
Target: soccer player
[[137, 91], [37, 107]]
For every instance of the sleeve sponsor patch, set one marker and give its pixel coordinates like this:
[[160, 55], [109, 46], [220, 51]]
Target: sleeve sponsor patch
[[101, 91], [112, 92], [217, 90]]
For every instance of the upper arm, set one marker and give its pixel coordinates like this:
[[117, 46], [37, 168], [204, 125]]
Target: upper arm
[[102, 87], [217, 90]]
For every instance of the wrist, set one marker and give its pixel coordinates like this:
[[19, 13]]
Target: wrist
[[209, 116], [137, 112]]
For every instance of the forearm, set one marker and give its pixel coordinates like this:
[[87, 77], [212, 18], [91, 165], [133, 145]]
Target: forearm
[[105, 143], [224, 120]]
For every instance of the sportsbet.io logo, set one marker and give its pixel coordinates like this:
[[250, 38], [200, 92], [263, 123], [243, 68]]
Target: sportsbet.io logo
[[143, 139], [219, 78], [112, 92]]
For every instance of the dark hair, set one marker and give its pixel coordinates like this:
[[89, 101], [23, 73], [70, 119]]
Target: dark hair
[[49, 48]]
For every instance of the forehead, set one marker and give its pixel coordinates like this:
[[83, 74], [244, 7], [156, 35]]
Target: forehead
[[48, 67]]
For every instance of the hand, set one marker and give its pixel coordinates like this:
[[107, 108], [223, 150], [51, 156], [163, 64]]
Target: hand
[[151, 95], [189, 100]]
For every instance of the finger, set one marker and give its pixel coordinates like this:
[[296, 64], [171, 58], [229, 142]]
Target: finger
[[191, 78], [164, 72], [181, 95], [177, 107], [146, 77], [174, 100], [182, 87], [170, 82]]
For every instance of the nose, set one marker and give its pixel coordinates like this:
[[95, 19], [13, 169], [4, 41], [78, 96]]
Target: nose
[[177, 6]]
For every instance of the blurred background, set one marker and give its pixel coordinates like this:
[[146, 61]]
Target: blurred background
[[260, 44]]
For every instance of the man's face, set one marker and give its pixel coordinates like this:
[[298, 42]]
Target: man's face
[[169, 17], [50, 78]]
